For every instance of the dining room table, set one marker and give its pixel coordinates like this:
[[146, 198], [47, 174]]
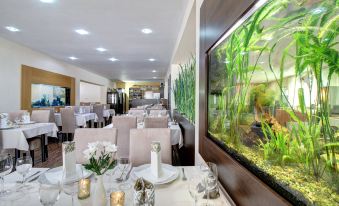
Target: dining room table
[[176, 134], [175, 193], [108, 112], [81, 119]]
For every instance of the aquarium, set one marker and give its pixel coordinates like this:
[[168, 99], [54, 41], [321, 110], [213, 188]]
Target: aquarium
[[47, 95], [273, 97]]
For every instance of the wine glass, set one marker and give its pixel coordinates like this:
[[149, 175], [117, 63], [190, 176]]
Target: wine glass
[[6, 166], [70, 185], [49, 193], [124, 166], [195, 189], [23, 167], [210, 179], [110, 173]]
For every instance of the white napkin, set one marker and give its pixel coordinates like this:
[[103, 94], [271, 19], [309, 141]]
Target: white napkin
[[147, 174]]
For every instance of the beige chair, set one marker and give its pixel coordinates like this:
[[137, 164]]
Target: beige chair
[[85, 109], [41, 116], [99, 110], [14, 115], [68, 122], [83, 136], [140, 145], [140, 114], [124, 124], [156, 122]]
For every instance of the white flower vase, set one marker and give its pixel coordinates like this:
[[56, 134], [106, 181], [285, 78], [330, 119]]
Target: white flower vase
[[99, 197]]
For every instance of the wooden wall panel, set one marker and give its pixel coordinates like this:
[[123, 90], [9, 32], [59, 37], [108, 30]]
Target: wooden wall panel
[[216, 17], [31, 75]]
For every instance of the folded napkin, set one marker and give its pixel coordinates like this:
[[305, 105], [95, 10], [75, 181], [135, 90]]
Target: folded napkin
[[147, 174], [143, 193]]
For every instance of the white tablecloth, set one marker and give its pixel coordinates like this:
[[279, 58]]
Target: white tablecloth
[[80, 119], [172, 194], [17, 138], [176, 135], [109, 112]]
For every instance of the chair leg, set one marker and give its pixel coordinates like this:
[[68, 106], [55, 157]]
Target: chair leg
[[31, 152], [46, 151], [42, 147]]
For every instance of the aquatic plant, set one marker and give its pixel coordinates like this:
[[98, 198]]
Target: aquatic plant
[[184, 90]]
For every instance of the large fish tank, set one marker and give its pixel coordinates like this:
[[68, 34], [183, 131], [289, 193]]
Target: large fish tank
[[273, 86]]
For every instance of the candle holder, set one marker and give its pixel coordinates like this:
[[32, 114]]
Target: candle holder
[[84, 189], [117, 198]]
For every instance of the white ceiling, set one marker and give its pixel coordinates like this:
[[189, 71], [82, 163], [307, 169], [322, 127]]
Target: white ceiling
[[113, 24]]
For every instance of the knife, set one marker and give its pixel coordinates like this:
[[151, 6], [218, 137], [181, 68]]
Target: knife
[[127, 175]]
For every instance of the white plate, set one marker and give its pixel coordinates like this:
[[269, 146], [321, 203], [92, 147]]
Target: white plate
[[170, 174], [55, 175], [8, 127], [24, 123]]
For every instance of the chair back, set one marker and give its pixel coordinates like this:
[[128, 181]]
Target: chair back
[[83, 136], [140, 114], [85, 109], [156, 122], [99, 110], [51, 114], [158, 113], [124, 124], [14, 115], [41, 116], [68, 121], [140, 145]]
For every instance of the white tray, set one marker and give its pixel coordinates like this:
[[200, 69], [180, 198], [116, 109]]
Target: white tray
[[170, 174]]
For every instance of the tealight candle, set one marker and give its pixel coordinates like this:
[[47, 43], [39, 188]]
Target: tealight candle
[[84, 188], [117, 198]]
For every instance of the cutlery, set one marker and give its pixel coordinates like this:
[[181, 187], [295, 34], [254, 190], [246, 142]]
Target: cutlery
[[128, 173], [120, 179], [35, 178], [183, 174], [26, 179]]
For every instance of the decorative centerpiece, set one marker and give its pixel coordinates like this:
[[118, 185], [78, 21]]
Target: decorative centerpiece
[[156, 159], [68, 159], [101, 157], [3, 120]]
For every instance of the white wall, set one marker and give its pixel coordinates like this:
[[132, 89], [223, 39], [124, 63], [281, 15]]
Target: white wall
[[91, 93], [13, 55]]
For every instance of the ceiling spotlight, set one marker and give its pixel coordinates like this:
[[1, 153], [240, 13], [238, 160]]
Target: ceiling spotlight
[[12, 29], [81, 31], [154, 77], [113, 59], [100, 49], [47, 1], [151, 60], [72, 58], [154, 71], [146, 31]]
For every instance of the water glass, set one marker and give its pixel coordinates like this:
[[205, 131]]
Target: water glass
[[49, 193], [210, 180], [195, 189], [6, 166], [70, 185], [23, 167], [124, 165]]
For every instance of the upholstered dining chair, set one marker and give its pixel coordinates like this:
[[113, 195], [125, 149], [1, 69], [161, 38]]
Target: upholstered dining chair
[[124, 124], [83, 136], [140, 145], [99, 110], [140, 114], [156, 122], [14, 115], [41, 116], [68, 122]]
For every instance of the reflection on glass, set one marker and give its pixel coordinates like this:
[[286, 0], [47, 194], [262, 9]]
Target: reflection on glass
[[274, 95]]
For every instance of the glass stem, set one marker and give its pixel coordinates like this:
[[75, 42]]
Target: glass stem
[[2, 185]]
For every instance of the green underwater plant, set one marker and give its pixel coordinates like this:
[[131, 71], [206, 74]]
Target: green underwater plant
[[184, 90]]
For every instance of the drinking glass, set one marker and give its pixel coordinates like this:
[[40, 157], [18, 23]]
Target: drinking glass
[[110, 173], [6, 166], [195, 189], [23, 167], [49, 193], [124, 165], [210, 179], [70, 185]]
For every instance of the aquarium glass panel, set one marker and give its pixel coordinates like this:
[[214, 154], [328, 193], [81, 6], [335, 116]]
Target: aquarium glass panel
[[48, 95], [273, 95]]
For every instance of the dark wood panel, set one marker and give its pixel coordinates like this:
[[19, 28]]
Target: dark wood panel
[[216, 17]]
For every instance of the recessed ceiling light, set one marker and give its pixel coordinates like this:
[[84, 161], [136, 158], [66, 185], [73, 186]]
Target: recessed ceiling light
[[12, 29], [113, 59], [154, 77], [151, 60], [72, 58], [100, 49], [146, 31], [47, 1], [81, 31], [154, 71]]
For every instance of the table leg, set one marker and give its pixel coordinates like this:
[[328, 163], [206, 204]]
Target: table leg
[[42, 140]]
